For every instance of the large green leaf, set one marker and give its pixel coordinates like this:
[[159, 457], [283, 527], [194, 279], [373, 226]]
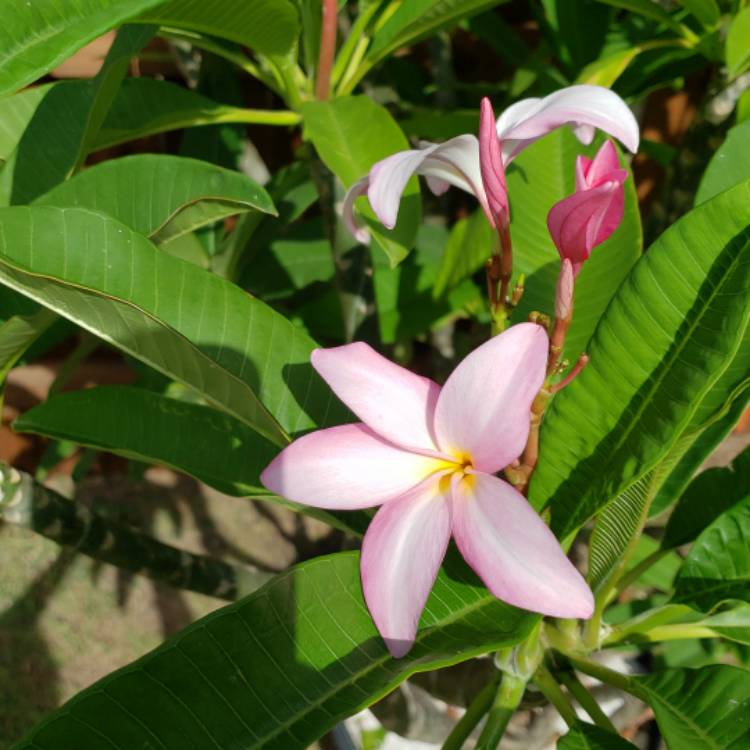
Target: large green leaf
[[187, 323], [588, 737], [673, 328], [36, 36], [707, 497], [65, 124], [717, 567], [208, 444], [350, 134], [267, 26], [279, 668], [706, 708], [161, 196], [729, 166], [647, 8], [737, 48], [542, 175], [419, 19]]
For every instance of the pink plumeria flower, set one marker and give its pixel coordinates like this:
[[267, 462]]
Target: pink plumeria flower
[[429, 456], [585, 219], [457, 161]]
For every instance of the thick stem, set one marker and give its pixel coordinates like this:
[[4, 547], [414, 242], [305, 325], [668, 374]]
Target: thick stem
[[327, 50], [552, 692], [602, 673], [586, 700], [25, 503], [474, 713], [506, 701]]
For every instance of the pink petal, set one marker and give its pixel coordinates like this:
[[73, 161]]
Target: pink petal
[[401, 553], [605, 166], [394, 402], [455, 162], [584, 107], [585, 219], [345, 467], [483, 410], [513, 552], [360, 233], [491, 166]]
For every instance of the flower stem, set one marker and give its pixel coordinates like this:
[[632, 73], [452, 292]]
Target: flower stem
[[476, 710], [506, 701], [552, 692]]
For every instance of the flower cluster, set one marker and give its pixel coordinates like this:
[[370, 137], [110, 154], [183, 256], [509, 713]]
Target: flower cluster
[[429, 456]]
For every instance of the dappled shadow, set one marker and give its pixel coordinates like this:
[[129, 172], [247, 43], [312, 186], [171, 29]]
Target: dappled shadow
[[29, 680]]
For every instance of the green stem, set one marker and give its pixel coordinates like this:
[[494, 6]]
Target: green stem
[[87, 342], [28, 504], [476, 710], [254, 116], [286, 70], [552, 692], [679, 632], [638, 570], [586, 700], [506, 701], [602, 673]]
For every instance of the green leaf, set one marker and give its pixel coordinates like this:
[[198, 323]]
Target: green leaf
[[17, 333], [732, 623], [350, 134], [729, 166], [37, 36], [589, 737], [279, 668], [16, 111], [418, 19], [706, 708], [405, 303], [737, 47], [717, 567], [189, 324], [537, 179], [606, 70], [146, 106], [692, 459], [707, 497], [266, 26], [648, 9], [65, 123], [673, 328], [133, 190], [146, 426], [469, 246], [706, 11]]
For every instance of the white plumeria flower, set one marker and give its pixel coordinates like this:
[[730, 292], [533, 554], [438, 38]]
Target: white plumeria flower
[[456, 162]]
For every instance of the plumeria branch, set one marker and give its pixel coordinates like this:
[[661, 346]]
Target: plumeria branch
[[327, 50]]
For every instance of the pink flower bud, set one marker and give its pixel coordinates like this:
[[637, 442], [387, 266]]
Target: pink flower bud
[[585, 219], [491, 167], [565, 286]]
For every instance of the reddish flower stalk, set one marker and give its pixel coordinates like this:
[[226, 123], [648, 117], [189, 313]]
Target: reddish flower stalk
[[327, 50]]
